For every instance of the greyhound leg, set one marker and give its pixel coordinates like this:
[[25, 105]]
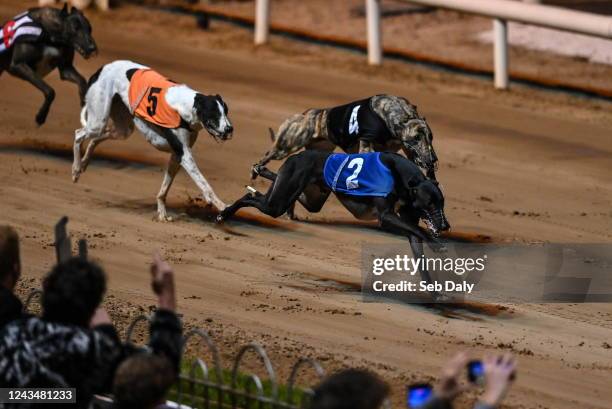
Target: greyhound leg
[[90, 148], [69, 73], [80, 135], [264, 172], [271, 154], [120, 126], [287, 187], [169, 175], [416, 245], [322, 145], [190, 166], [245, 201], [263, 203], [391, 222], [96, 119], [26, 73], [312, 198]]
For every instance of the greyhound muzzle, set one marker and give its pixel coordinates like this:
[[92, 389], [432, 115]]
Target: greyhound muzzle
[[86, 51], [219, 136], [436, 222]]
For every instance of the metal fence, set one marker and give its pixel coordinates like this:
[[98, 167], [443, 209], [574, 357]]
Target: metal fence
[[204, 384], [501, 11]]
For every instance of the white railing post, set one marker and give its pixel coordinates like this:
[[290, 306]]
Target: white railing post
[[500, 53], [262, 21], [374, 33]]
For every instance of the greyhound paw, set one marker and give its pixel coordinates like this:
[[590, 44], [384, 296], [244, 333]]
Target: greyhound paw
[[219, 206], [439, 297], [255, 170], [41, 118], [165, 218], [438, 246], [75, 175]]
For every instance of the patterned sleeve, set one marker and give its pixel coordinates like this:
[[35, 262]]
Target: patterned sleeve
[[105, 353], [167, 336]]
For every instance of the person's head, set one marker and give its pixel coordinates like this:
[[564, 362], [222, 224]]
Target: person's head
[[350, 389], [142, 381], [72, 292], [10, 264]]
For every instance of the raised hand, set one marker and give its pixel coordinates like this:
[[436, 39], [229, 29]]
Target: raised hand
[[499, 374], [162, 281]]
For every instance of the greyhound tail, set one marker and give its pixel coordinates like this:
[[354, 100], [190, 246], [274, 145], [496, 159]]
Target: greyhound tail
[[84, 116]]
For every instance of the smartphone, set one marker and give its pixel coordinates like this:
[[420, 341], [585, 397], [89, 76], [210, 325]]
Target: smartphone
[[418, 395], [476, 372]]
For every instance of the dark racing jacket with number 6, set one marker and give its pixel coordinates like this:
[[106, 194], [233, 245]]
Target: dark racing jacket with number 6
[[355, 121]]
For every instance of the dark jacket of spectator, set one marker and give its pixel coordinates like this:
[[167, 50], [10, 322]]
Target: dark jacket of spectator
[[166, 336], [11, 307], [38, 353], [60, 349], [10, 271]]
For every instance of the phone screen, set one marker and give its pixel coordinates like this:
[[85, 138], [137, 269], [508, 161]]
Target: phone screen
[[475, 371], [418, 395]]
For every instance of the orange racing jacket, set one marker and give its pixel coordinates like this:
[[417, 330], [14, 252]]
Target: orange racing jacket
[[147, 97]]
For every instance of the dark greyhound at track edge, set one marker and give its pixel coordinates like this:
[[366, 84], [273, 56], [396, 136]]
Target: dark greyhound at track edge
[[36, 42], [384, 186], [379, 123]]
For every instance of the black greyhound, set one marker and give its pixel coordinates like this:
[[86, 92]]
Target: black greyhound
[[42, 39], [405, 198]]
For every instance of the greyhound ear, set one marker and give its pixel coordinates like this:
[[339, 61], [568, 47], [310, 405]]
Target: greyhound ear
[[198, 101], [64, 11], [272, 136], [199, 98], [74, 10]]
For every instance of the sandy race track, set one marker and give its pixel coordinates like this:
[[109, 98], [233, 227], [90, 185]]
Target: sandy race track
[[508, 174]]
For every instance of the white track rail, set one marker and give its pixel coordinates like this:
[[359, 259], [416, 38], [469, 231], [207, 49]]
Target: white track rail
[[80, 4], [501, 11]]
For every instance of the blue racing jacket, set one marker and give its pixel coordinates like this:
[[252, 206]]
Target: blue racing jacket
[[361, 174]]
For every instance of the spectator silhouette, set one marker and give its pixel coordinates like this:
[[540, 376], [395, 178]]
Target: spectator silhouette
[[10, 271], [350, 389], [142, 381], [73, 344]]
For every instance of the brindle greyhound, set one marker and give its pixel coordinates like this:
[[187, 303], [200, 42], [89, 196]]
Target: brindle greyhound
[[59, 34], [305, 177], [378, 123]]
